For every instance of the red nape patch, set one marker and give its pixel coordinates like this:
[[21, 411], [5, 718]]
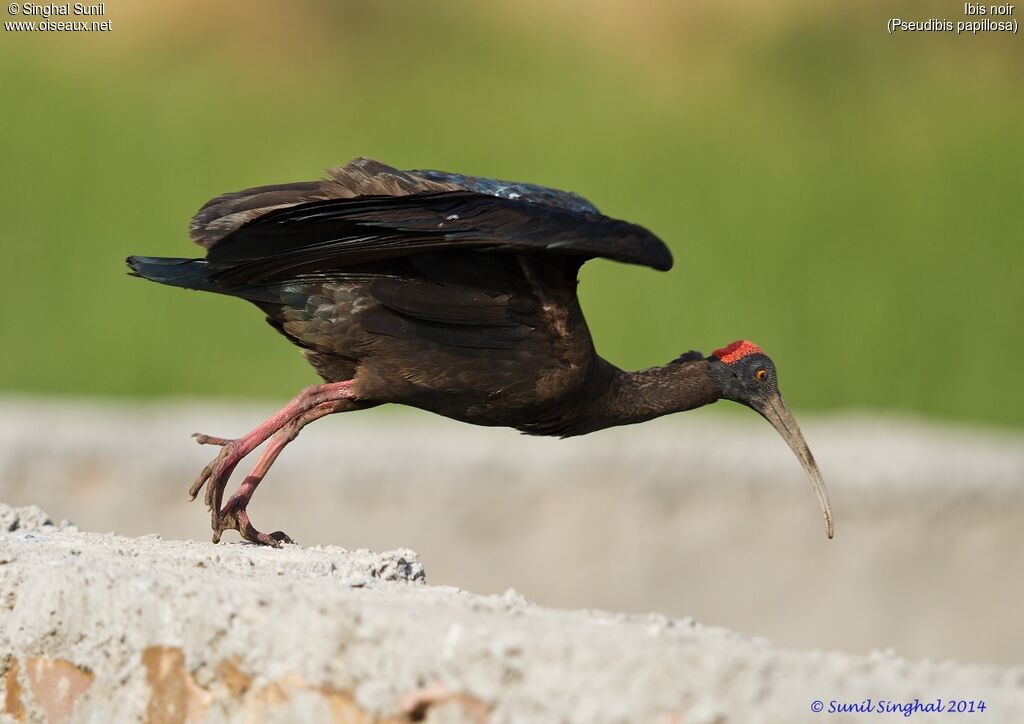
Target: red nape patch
[[736, 351]]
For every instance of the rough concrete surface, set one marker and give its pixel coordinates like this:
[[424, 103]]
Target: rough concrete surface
[[97, 627], [700, 517], [701, 514]]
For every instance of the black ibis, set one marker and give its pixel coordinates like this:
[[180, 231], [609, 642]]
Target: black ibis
[[449, 293]]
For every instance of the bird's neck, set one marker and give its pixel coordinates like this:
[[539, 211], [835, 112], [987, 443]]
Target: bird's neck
[[623, 398]]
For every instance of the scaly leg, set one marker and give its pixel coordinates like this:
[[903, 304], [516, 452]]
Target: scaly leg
[[215, 475], [234, 516]]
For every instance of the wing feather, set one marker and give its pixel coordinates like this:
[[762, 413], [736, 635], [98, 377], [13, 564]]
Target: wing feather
[[333, 234], [221, 216]]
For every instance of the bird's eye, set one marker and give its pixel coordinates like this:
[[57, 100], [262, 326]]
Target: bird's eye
[[761, 374]]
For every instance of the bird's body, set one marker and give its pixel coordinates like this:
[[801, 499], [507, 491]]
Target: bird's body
[[472, 341], [448, 293]]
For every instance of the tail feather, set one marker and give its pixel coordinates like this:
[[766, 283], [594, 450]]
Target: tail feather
[[195, 274], [187, 273]]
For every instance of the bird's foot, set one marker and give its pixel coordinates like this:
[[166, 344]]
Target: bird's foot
[[215, 475], [310, 404], [234, 516]]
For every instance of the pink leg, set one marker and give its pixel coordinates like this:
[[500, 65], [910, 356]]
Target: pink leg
[[215, 475], [234, 516]]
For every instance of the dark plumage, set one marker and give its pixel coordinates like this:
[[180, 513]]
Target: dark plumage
[[449, 293]]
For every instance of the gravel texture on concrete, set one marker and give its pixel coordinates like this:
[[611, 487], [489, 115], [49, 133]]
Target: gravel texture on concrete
[[132, 629]]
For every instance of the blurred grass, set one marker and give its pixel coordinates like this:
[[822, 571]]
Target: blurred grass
[[849, 200]]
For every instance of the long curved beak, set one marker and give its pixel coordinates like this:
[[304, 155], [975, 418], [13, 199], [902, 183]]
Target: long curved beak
[[775, 411]]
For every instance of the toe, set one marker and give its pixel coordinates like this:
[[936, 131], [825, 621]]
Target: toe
[[211, 439], [193, 491], [275, 539]]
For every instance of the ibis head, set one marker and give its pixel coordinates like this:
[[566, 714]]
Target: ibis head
[[745, 374]]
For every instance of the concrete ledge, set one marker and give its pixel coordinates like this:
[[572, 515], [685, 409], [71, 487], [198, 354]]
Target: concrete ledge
[[698, 515], [97, 627]]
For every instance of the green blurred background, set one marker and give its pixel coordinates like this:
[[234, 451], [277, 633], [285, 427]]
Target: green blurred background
[[848, 199]]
